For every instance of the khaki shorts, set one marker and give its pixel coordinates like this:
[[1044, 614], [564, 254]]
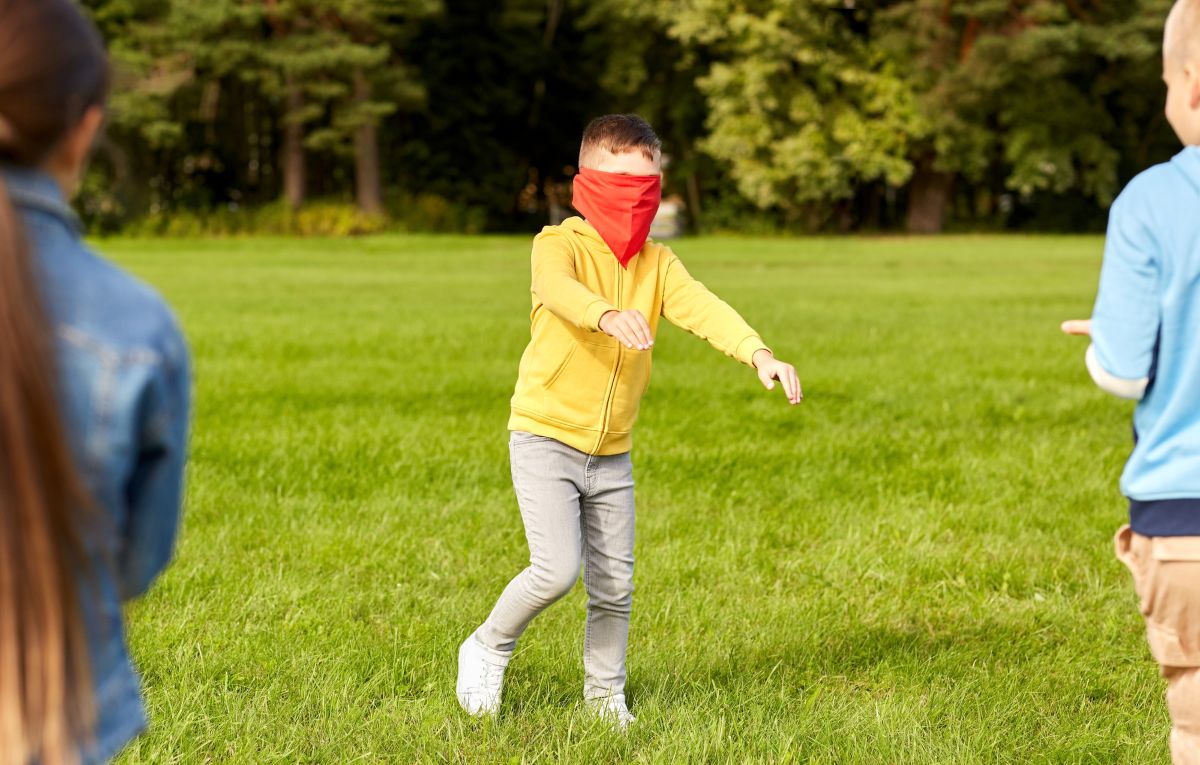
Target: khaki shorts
[[1166, 575]]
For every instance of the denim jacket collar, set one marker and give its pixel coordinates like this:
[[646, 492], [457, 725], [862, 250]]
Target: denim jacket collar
[[35, 190]]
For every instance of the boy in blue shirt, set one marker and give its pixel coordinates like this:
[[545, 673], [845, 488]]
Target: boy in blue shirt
[[1145, 333]]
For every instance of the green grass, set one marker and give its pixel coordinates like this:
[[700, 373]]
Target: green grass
[[914, 566]]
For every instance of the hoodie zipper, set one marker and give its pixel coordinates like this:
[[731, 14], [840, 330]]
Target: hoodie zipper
[[612, 383]]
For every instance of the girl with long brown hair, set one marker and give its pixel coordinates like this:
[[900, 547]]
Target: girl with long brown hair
[[94, 382]]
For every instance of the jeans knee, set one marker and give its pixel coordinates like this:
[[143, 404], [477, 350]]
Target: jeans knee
[[549, 583], [623, 592]]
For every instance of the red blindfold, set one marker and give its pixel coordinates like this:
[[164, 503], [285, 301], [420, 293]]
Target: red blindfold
[[620, 207]]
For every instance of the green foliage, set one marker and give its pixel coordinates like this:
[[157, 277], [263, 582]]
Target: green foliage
[[322, 217], [320, 44], [1025, 89], [799, 106], [318, 218], [202, 92], [811, 103], [820, 115], [433, 213]]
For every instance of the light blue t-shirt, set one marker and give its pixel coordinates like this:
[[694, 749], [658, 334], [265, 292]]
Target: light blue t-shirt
[[1146, 323]]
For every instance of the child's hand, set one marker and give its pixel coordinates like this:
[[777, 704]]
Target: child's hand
[[771, 369], [1078, 327], [629, 327]]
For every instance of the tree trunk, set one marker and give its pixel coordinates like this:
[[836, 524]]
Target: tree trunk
[[872, 216], [554, 10], [843, 216], [368, 191], [928, 197], [293, 147]]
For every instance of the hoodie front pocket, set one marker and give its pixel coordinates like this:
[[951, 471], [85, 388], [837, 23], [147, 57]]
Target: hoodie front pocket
[[575, 393], [561, 366]]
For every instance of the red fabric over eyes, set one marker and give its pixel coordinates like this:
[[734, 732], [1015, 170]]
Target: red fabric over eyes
[[620, 207]]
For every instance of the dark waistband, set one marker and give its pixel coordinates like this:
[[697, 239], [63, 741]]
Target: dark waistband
[[1165, 517]]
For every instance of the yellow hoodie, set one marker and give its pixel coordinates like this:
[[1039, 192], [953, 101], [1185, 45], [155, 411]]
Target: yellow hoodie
[[580, 386]]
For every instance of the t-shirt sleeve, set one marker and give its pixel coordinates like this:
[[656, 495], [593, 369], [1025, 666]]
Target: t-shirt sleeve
[[1125, 319]]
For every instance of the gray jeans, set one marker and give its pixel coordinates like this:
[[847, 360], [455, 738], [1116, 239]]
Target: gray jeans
[[578, 510]]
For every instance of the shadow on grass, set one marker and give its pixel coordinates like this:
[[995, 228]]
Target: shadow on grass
[[911, 660]]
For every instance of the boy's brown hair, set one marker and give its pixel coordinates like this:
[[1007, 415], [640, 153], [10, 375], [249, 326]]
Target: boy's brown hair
[[618, 133]]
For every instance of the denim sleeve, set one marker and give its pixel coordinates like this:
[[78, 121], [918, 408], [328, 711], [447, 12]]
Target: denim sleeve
[[1125, 319], [155, 488]]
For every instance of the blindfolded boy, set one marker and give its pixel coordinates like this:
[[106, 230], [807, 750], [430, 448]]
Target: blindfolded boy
[[599, 289]]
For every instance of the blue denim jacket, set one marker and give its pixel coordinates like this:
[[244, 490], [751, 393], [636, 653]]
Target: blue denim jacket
[[124, 384]]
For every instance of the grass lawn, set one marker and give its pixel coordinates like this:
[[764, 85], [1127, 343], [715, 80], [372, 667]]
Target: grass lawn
[[914, 566]]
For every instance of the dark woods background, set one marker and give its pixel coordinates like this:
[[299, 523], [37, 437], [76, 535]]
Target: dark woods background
[[345, 116]]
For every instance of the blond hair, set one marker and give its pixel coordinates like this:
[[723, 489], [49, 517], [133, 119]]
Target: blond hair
[[1181, 36]]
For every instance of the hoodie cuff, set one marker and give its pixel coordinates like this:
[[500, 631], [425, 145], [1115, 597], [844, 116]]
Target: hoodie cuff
[[592, 314], [1134, 390], [748, 347]]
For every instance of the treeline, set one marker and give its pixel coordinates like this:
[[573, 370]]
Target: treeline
[[465, 114]]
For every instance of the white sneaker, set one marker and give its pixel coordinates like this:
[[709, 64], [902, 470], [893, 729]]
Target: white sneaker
[[480, 677], [612, 709]]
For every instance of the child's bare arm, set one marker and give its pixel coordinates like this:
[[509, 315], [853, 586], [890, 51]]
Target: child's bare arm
[[1078, 327]]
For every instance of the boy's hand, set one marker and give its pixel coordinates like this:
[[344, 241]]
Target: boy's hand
[[771, 369], [629, 327], [1078, 327]]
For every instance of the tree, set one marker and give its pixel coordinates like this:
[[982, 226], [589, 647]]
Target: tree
[[369, 39], [846, 112], [812, 103], [649, 73], [169, 59], [799, 106], [1026, 85], [509, 93]]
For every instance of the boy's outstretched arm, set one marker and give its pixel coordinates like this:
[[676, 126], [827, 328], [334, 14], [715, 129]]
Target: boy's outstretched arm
[[1125, 320], [689, 305], [558, 287]]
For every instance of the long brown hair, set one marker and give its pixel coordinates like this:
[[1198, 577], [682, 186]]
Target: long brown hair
[[53, 68]]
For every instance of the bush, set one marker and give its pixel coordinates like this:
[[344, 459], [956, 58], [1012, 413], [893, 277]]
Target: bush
[[433, 213], [321, 217]]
